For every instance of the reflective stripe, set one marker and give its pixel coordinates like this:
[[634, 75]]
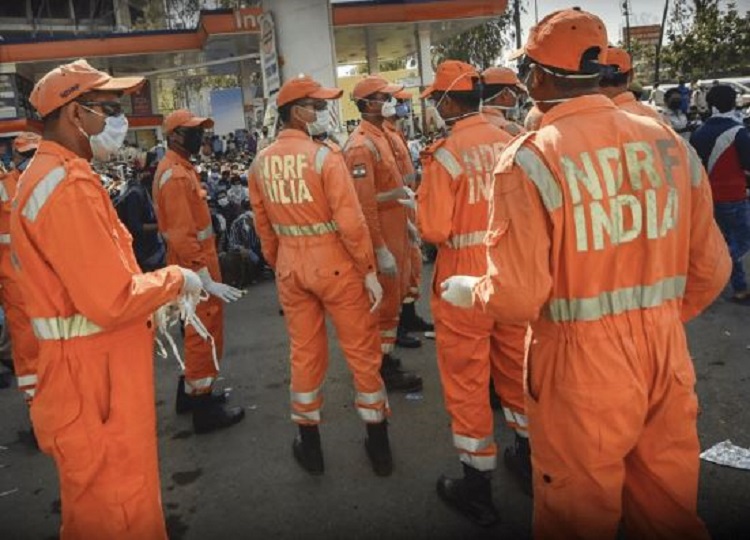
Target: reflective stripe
[[410, 178], [459, 241], [305, 398], [471, 444], [480, 463], [164, 178], [372, 416], [198, 384], [29, 393], [446, 159], [723, 141], [371, 398], [26, 380], [309, 416], [696, 166], [4, 197], [388, 333], [14, 260], [387, 347], [4, 239], [540, 174], [42, 192], [313, 229], [372, 148], [205, 234], [619, 301], [320, 158], [64, 327], [518, 419]]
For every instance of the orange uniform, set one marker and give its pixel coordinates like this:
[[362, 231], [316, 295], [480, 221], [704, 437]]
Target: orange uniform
[[497, 118], [453, 202], [375, 172], [627, 102], [185, 222], [314, 234], [403, 160], [90, 308], [24, 345], [602, 233]]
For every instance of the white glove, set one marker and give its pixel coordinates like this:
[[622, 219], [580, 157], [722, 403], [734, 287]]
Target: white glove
[[459, 290], [219, 290], [411, 199], [386, 261], [413, 233], [374, 290], [192, 284]]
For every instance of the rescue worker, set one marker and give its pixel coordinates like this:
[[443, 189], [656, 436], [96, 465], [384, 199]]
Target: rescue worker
[[90, 308], [502, 94], [409, 321], [314, 234], [380, 188], [24, 346], [453, 205], [616, 80], [602, 234], [185, 223]]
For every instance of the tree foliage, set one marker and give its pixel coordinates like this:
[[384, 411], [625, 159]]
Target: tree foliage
[[480, 46]]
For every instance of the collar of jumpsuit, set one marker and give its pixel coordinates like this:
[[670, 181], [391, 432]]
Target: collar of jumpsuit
[[594, 103], [292, 134], [469, 121], [625, 97], [177, 157], [54, 149]]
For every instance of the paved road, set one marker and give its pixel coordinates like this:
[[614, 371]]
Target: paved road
[[243, 483]]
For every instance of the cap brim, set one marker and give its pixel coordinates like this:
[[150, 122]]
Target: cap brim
[[198, 121], [126, 85], [427, 92], [392, 89], [518, 53], [327, 93], [403, 94]]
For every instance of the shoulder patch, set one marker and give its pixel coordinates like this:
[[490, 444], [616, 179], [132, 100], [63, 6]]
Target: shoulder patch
[[359, 170]]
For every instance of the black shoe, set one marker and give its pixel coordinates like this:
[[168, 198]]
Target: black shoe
[[208, 415], [183, 404], [378, 448], [397, 379], [470, 495], [307, 451], [412, 322], [405, 341], [517, 459]]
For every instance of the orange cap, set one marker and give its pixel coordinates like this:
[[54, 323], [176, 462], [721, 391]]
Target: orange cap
[[403, 94], [68, 81], [620, 58], [304, 86], [452, 75], [184, 118], [26, 141], [374, 83], [561, 38], [500, 75]]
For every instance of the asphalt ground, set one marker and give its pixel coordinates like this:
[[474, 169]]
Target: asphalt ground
[[244, 483]]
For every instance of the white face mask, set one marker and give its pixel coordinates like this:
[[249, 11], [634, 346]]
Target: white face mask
[[321, 124], [389, 108], [104, 145]]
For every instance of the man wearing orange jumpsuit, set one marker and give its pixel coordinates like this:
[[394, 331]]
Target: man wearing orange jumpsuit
[[452, 213], [185, 222], [380, 188], [90, 307], [602, 234], [314, 234], [615, 83], [23, 343], [409, 321], [502, 91]]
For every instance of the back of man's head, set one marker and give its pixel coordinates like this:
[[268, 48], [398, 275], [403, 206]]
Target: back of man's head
[[723, 97]]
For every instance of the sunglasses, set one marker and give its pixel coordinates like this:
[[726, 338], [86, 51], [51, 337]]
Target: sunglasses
[[109, 108]]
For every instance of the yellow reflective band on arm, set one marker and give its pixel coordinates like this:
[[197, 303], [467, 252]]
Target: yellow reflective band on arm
[[313, 229], [459, 241], [42, 192], [449, 162], [205, 234], [320, 158], [4, 239], [541, 176], [164, 178], [3, 193], [617, 301], [470, 444], [56, 328]]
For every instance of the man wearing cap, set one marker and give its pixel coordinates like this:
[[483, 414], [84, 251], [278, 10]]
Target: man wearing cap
[[615, 84], [502, 92], [602, 234], [453, 207], [314, 234], [409, 321], [90, 307], [185, 222], [23, 342], [382, 194]]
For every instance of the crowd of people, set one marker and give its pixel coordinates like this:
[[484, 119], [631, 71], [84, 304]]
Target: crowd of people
[[570, 253]]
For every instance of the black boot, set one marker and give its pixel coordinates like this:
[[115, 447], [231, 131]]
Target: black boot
[[307, 450], [406, 341], [379, 448], [412, 322], [208, 415], [470, 495], [397, 379], [183, 404], [517, 460]]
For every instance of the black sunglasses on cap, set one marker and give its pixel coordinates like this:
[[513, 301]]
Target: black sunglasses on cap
[[109, 108]]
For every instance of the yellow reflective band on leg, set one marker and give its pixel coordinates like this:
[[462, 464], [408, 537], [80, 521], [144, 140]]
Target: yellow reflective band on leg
[[470, 444], [305, 398], [480, 463]]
